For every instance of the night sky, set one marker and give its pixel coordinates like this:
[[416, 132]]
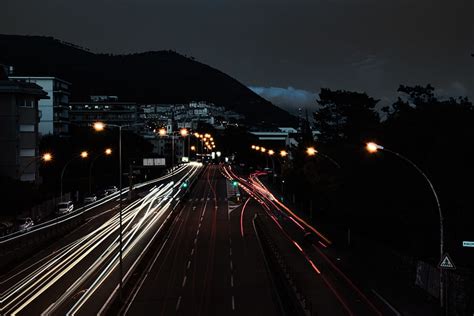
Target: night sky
[[285, 50]]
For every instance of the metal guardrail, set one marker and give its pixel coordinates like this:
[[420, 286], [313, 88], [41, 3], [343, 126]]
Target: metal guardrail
[[292, 302], [18, 245]]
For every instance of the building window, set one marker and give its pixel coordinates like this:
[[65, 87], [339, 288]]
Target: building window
[[27, 128], [27, 152]]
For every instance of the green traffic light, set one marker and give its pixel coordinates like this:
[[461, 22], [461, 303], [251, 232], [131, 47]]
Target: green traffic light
[[235, 183], [185, 184]]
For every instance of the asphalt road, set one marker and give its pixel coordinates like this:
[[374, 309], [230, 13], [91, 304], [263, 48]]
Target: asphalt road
[[79, 272], [206, 266]]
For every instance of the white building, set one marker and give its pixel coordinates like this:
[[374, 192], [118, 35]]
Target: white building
[[54, 112]]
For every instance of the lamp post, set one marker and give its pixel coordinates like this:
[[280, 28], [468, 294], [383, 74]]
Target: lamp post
[[373, 148], [83, 155], [46, 157], [107, 152], [311, 151], [183, 132], [99, 127]]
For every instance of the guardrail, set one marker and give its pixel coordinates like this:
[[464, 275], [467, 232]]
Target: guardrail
[[18, 245], [292, 302]]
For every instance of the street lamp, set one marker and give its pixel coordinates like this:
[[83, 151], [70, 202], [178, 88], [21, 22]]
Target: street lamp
[[99, 127], [46, 157], [82, 155], [283, 153], [107, 152], [373, 148], [311, 151]]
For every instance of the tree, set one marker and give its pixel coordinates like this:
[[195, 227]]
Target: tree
[[345, 116]]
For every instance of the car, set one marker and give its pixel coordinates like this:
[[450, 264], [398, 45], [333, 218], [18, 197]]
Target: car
[[90, 198], [111, 189], [64, 207], [6, 228], [24, 224]]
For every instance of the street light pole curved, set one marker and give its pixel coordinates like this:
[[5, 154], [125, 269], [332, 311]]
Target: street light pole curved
[[438, 204], [62, 175]]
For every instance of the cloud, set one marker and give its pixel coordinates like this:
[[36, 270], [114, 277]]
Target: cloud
[[454, 89], [289, 98]]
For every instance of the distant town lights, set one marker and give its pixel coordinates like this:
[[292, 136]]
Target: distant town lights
[[183, 132], [108, 151], [271, 152], [84, 154], [283, 153]]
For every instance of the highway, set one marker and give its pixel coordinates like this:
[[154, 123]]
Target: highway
[[79, 273], [202, 255], [206, 267], [325, 285]]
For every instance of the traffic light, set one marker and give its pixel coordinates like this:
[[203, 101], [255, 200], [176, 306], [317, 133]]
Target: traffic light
[[185, 184], [235, 183]]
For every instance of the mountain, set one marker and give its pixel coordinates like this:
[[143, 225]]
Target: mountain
[[150, 77]]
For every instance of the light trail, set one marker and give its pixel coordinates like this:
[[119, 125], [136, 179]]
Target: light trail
[[139, 219]]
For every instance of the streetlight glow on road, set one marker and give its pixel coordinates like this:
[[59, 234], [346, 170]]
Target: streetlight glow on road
[[183, 132], [271, 152], [283, 153], [84, 154], [263, 149], [108, 151]]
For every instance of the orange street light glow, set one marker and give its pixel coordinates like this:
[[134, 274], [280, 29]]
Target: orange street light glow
[[183, 132], [257, 147], [193, 148], [196, 135], [162, 132], [283, 153], [373, 147], [263, 149], [47, 157], [311, 151], [84, 154], [253, 146], [99, 126], [108, 151], [271, 152]]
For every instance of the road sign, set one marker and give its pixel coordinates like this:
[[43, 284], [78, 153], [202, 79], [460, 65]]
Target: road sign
[[468, 244], [447, 263]]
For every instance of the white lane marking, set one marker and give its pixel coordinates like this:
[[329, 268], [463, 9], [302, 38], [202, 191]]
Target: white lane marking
[[231, 280], [189, 264], [177, 304], [230, 252], [197, 232], [387, 303], [231, 265], [195, 240], [233, 303], [184, 281], [192, 251]]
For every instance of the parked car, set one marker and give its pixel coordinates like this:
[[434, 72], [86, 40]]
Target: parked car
[[24, 224], [111, 189], [90, 198], [64, 207], [6, 228]]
